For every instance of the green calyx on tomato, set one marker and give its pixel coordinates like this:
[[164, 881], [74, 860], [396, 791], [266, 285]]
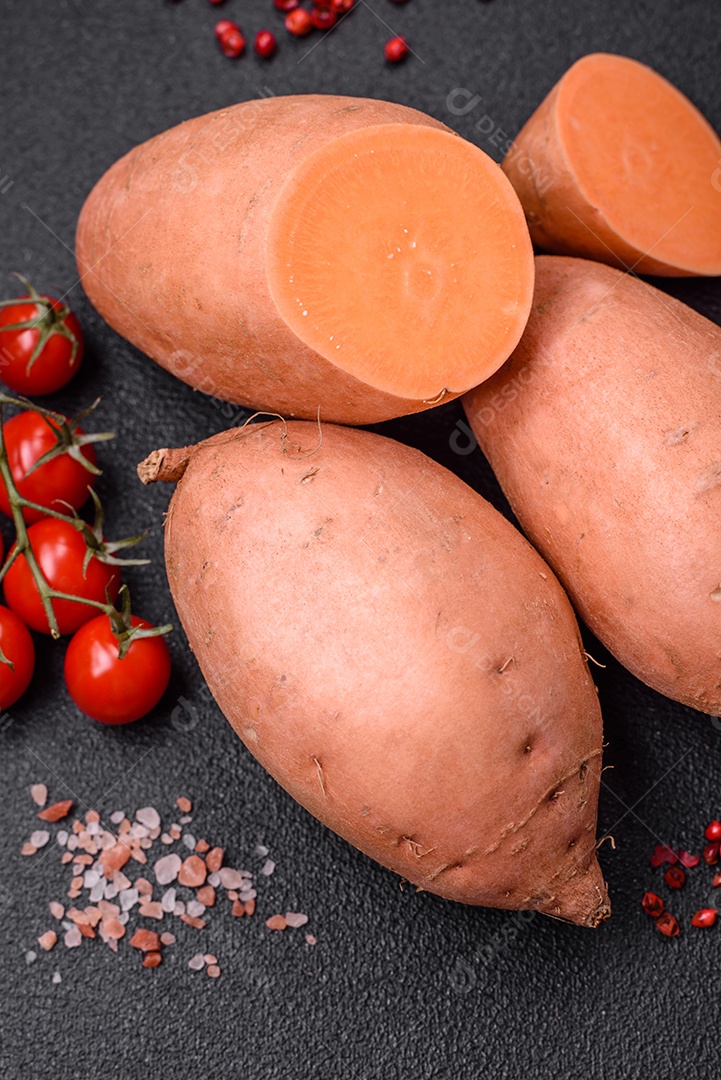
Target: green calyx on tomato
[[50, 318]]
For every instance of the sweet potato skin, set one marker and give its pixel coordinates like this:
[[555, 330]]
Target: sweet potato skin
[[604, 429], [398, 658], [152, 248]]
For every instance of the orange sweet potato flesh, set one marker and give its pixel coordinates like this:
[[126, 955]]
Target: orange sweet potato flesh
[[396, 655], [306, 253], [618, 166], [604, 430]]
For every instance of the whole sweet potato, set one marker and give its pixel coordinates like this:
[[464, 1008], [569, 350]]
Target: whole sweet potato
[[312, 253], [396, 655], [604, 430]]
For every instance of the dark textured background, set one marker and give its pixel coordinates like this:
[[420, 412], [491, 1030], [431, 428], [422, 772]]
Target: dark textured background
[[399, 984]]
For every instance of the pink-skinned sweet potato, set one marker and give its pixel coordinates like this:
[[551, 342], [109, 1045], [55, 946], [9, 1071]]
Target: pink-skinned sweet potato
[[396, 655], [312, 253], [604, 430]]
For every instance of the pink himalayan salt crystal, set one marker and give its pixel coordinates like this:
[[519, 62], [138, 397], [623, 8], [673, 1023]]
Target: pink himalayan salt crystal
[[39, 794], [73, 938], [213, 971], [153, 910], [196, 962], [149, 817], [230, 879], [40, 838], [48, 940], [276, 922], [167, 868], [295, 918], [167, 938], [56, 910], [311, 940]]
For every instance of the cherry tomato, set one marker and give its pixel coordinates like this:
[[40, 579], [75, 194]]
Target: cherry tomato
[[17, 647], [59, 482], [46, 348], [60, 551], [113, 690]]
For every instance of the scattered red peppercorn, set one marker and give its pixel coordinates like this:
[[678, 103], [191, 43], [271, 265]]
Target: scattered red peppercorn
[[668, 924], [689, 861], [705, 917], [232, 42], [396, 49], [663, 854], [342, 7], [675, 877], [298, 22], [265, 43], [653, 905], [716, 880], [322, 17], [710, 854], [222, 27], [287, 5], [713, 831], [215, 1]]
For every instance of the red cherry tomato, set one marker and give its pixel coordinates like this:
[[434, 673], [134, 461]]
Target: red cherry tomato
[[113, 690], [60, 551], [64, 480], [17, 647], [41, 357]]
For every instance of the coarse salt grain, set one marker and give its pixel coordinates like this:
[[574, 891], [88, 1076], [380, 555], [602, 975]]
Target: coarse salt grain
[[295, 918], [167, 938], [30, 956], [167, 901], [148, 816], [230, 879], [267, 868], [48, 940], [276, 922], [310, 939], [261, 850], [117, 816], [183, 804], [213, 971], [197, 962], [167, 869], [186, 819], [39, 794], [57, 978], [189, 841], [73, 938], [40, 838], [56, 910]]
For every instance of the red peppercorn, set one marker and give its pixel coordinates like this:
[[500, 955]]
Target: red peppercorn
[[287, 5], [215, 1], [675, 877], [716, 880], [713, 831], [222, 27], [705, 917], [232, 42], [653, 905], [323, 18], [298, 22], [710, 854], [395, 49], [689, 861], [265, 43], [342, 7], [668, 924], [663, 854]]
